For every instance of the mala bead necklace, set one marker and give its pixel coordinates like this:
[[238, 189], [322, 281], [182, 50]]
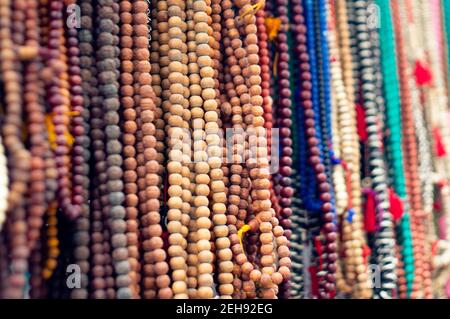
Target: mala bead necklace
[[212, 165], [353, 239], [129, 139], [299, 217], [411, 175], [107, 65], [312, 116], [145, 99], [284, 113], [36, 128], [18, 156], [80, 158], [222, 243], [39, 149], [89, 74], [235, 88], [384, 241], [148, 269], [271, 275], [264, 61], [214, 153], [51, 171], [59, 99], [162, 267], [177, 115], [195, 92]]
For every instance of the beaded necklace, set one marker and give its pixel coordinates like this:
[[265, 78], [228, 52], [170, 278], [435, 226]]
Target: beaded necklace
[[129, 140], [108, 74], [97, 234], [159, 72], [222, 243], [234, 88], [285, 192], [179, 202], [36, 129], [353, 240], [310, 118], [384, 241], [80, 158], [410, 149]]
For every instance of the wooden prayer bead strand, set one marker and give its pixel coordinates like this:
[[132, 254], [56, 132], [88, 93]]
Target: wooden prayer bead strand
[[36, 128], [259, 171], [197, 46], [202, 11], [95, 116], [96, 122], [147, 106], [176, 105], [19, 157], [77, 124], [18, 18], [108, 67], [222, 243], [80, 158], [264, 61], [158, 121], [39, 149], [156, 84], [234, 87], [195, 90], [284, 112], [410, 151], [129, 140], [50, 161], [159, 71], [352, 232], [59, 98]]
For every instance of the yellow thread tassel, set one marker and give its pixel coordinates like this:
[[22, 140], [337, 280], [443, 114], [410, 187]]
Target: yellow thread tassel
[[253, 9], [51, 129], [241, 233], [273, 26]]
